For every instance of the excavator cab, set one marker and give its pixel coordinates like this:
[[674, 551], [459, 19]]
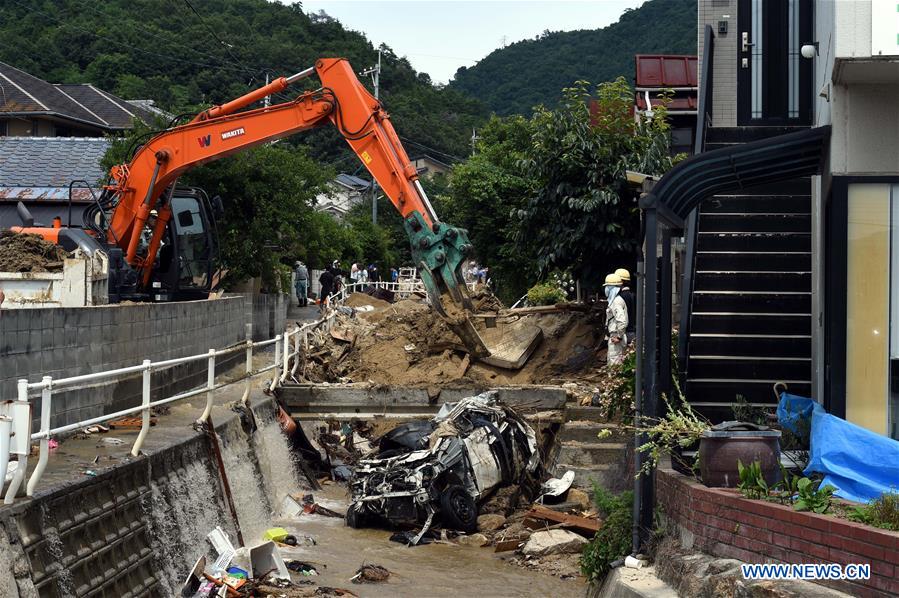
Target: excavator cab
[[187, 262]]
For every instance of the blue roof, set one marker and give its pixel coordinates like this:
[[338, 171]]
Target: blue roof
[[352, 181]]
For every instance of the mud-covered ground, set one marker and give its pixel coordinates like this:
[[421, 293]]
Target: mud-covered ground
[[407, 343]]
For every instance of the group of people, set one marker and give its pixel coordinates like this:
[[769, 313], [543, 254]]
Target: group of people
[[621, 317], [331, 280]]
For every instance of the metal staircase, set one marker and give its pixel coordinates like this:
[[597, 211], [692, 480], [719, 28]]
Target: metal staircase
[[750, 309]]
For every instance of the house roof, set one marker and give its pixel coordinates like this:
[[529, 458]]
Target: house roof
[[352, 181], [23, 94], [43, 167], [658, 70]]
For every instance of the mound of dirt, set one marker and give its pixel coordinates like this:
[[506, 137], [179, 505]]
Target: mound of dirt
[[361, 299], [407, 343], [29, 253]]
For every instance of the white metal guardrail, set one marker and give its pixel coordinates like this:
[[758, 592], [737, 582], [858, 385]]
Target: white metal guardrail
[[16, 435]]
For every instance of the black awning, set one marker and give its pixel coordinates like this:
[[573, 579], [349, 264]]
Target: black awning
[[769, 160]]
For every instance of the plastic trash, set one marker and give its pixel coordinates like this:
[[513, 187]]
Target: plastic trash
[[278, 534]]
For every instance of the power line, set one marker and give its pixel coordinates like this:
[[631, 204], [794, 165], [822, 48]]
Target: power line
[[215, 35], [432, 150]]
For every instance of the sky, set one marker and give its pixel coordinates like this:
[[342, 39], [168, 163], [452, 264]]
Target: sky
[[440, 36]]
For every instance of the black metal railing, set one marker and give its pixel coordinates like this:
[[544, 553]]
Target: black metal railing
[[703, 118]]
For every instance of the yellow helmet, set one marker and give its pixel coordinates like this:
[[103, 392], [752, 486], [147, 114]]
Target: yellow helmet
[[613, 280], [623, 274]]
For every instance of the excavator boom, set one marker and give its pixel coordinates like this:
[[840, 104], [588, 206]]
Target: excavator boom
[[141, 185]]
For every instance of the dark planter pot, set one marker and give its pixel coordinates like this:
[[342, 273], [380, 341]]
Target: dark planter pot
[[719, 451]]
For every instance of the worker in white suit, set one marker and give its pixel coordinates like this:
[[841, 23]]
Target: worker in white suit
[[616, 319]]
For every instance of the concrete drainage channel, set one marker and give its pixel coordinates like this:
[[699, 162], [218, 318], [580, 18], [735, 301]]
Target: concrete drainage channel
[[132, 530]]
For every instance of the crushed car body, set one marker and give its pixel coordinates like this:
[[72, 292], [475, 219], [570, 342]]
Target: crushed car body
[[444, 468]]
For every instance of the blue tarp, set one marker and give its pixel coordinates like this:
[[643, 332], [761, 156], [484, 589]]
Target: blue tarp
[[861, 464]]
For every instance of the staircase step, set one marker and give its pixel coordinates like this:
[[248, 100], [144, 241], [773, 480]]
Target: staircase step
[[766, 223], [753, 241], [767, 367], [759, 261], [585, 431], [750, 324], [750, 345], [753, 281], [712, 394], [611, 477], [596, 415], [584, 454], [762, 204], [751, 301]]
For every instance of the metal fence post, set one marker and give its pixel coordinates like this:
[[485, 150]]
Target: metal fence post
[[277, 351], [210, 383], [285, 355], [249, 364], [145, 414], [44, 454]]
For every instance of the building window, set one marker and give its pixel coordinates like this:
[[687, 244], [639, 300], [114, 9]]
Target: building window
[[4, 131], [793, 58], [757, 47], [872, 307]]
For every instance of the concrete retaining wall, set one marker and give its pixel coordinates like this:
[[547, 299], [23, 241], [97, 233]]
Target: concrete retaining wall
[[135, 529], [63, 342]]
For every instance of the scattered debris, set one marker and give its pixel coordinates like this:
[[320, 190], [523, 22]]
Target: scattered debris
[[112, 441], [129, 423], [302, 568], [540, 517], [445, 466], [490, 522], [554, 541], [474, 540], [370, 574]]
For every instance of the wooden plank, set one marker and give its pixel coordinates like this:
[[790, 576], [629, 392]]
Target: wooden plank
[[581, 524], [507, 545]]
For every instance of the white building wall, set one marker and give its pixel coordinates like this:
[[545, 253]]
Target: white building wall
[[724, 68], [865, 137], [852, 22]]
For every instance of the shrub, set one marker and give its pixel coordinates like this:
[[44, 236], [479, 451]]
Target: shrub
[[881, 512], [613, 540], [545, 293]]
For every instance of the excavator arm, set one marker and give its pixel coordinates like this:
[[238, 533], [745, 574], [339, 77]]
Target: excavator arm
[[140, 186]]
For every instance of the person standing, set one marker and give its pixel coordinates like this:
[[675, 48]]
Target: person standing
[[630, 299], [301, 283], [326, 280], [616, 319]]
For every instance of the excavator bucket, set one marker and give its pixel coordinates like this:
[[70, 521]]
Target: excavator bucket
[[440, 252]]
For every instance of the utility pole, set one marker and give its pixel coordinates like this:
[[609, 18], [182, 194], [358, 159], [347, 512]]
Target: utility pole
[[267, 101], [375, 72], [474, 140]]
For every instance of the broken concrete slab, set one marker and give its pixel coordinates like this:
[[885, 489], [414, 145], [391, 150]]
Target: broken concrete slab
[[554, 541], [634, 583]]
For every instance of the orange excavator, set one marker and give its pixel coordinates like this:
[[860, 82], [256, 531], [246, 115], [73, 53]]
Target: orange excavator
[[151, 260]]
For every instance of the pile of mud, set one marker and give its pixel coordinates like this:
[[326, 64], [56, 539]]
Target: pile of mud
[[407, 343], [29, 253]]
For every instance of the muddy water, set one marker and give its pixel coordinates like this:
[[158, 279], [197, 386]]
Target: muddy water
[[430, 570]]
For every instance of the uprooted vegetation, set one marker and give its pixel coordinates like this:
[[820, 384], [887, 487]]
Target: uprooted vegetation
[[407, 343]]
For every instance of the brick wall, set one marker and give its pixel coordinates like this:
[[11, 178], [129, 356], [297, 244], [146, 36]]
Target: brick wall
[[65, 342], [722, 523], [724, 67]]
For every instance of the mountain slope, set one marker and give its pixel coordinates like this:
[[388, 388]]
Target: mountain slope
[[186, 54], [513, 79]]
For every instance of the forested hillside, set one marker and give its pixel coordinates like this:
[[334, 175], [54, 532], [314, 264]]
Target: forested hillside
[[187, 53], [513, 79]]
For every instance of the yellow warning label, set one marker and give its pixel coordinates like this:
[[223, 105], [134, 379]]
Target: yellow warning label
[[366, 158]]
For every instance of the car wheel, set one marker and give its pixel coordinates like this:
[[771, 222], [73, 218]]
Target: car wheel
[[458, 509]]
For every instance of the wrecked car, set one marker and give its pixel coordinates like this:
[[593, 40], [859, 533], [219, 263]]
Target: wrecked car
[[444, 468]]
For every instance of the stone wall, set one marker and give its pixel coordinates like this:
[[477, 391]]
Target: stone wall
[[65, 342]]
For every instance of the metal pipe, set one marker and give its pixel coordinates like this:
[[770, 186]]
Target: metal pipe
[[145, 421], [210, 385], [638, 412], [249, 363], [5, 433], [44, 453], [223, 475], [301, 75], [424, 197], [22, 451]]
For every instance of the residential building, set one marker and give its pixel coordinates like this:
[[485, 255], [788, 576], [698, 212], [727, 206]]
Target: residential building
[[345, 191], [30, 106], [427, 166], [673, 80]]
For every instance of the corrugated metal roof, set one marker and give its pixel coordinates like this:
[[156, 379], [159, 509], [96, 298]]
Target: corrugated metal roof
[[50, 161], [114, 112], [656, 70], [352, 181]]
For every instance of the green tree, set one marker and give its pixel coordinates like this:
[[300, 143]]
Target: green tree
[[580, 215]]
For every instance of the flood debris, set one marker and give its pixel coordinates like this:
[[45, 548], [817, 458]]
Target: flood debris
[[444, 467], [371, 574], [22, 252]]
